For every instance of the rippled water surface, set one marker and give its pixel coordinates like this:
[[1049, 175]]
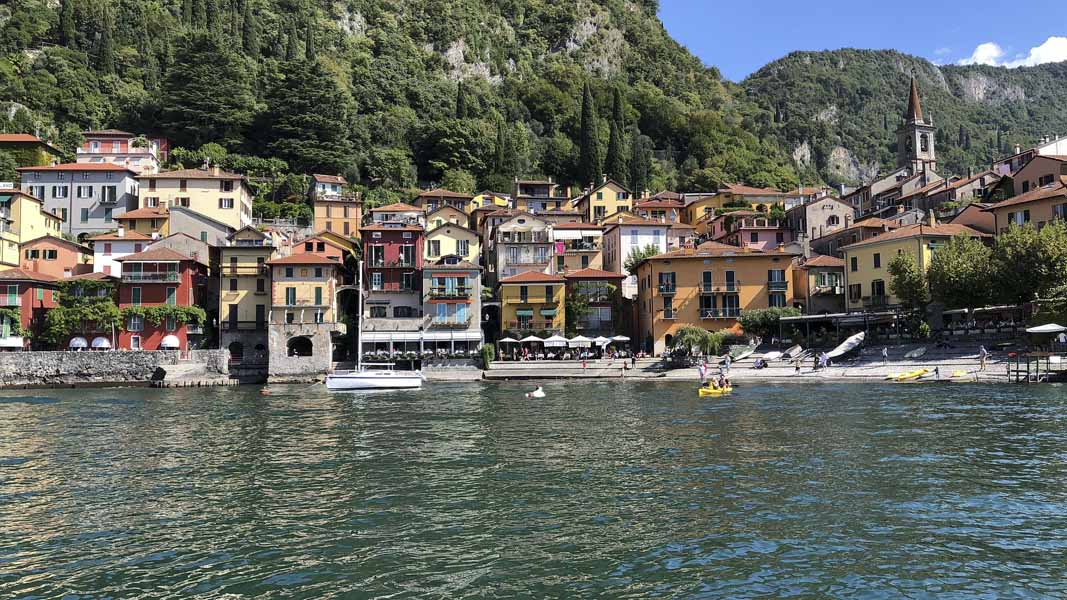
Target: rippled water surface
[[612, 490]]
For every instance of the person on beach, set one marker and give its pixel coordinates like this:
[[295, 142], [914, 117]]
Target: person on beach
[[885, 356], [824, 359], [796, 367], [727, 363], [983, 354], [633, 361]]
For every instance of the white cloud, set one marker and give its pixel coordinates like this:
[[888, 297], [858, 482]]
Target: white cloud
[[1053, 49]]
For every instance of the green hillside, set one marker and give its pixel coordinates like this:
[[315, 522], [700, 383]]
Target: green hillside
[[393, 94], [852, 100]]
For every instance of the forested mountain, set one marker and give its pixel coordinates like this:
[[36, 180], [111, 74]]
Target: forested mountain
[[837, 112], [469, 93]]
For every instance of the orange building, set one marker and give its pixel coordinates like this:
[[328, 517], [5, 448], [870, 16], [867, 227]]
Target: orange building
[[55, 256]]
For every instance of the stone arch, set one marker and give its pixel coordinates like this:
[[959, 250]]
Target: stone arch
[[237, 351], [299, 346]]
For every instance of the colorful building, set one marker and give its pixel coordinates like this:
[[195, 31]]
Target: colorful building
[[324, 246], [535, 196], [452, 303], [334, 210], [819, 285], [111, 146], [155, 278], [399, 213], [732, 195], [447, 215], [109, 247], [393, 259], [146, 221], [439, 197], [577, 246], [488, 199], [29, 150], [626, 236], [532, 302], [867, 263], [709, 286], [666, 209], [223, 196], [519, 244], [304, 316], [816, 218], [56, 256], [602, 292], [88, 197], [608, 198], [453, 240], [245, 295], [749, 229], [831, 243], [31, 295]]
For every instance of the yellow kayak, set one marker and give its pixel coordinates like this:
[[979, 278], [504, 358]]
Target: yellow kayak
[[912, 374], [892, 376], [715, 391]]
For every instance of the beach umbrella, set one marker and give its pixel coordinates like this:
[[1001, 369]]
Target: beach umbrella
[[508, 340], [170, 342], [620, 338], [101, 343], [556, 341], [78, 343], [1049, 328], [580, 341], [601, 341], [531, 338]]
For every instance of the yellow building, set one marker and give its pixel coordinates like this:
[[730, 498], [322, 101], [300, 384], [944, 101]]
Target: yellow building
[[146, 221], [244, 296], [488, 199], [303, 289], [23, 218], [709, 286], [452, 240], [344, 242], [220, 195], [867, 262], [606, 199], [447, 214], [532, 302], [734, 195], [577, 246]]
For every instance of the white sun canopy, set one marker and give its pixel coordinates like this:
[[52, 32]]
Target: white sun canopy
[[556, 341]]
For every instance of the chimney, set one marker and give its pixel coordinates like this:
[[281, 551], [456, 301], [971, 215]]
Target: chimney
[[215, 170], [1018, 149], [121, 232], [931, 219]]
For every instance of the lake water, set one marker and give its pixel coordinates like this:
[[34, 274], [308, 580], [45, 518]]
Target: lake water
[[609, 490]]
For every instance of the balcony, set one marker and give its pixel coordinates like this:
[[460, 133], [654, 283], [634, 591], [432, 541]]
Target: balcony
[[194, 329], [393, 288], [109, 200], [778, 286], [461, 293], [530, 325], [390, 264], [232, 326], [875, 301], [244, 270], [709, 314], [536, 238], [302, 304], [451, 322], [10, 300], [668, 288], [161, 277], [580, 248]]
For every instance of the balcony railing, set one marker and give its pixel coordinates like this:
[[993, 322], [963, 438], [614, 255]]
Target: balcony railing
[[875, 301], [723, 287], [459, 292], [450, 322], [527, 262], [537, 238], [167, 277], [301, 304], [530, 325], [778, 286], [10, 300], [232, 271], [719, 313], [529, 300], [109, 200], [194, 329], [243, 326], [668, 288], [576, 248], [385, 264], [393, 288]]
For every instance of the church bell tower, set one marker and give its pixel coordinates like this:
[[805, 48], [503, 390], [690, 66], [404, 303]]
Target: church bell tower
[[915, 138]]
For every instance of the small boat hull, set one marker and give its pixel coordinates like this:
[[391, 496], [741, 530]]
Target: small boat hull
[[793, 352], [374, 380], [847, 346], [916, 353], [704, 392], [912, 375], [772, 356]]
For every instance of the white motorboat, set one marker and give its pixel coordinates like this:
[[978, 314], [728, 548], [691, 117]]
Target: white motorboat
[[371, 376], [374, 376], [916, 353], [792, 352], [768, 357], [848, 345]]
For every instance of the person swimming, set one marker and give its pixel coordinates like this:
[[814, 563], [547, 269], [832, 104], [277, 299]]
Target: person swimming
[[537, 393]]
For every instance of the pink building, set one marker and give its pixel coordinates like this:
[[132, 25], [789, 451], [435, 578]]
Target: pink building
[[137, 153], [749, 229]]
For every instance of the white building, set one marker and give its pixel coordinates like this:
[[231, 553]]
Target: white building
[[627, 235], [109, 247]]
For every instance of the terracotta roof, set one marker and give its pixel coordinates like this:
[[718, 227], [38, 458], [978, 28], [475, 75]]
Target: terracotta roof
[[532, 277], [193, 174], [305, 258], [872, 223], [130, 236], [491, 207], [823, 260], [590, 191], [107, 132], [920, 229], [965, 180], [633, 221], [78, 167], [681, 226], [444, 207], [155, 255], [1053, 190], [58, 240], [17, 274], [744, 190], [456, 225], [716, 249], [807, 191], [594, 274], [926, 189], [443, 193], [396, 207], [337, 179], [652, 203], [574, 225], [143, 213], [92, 277], [390, 227], [666, 195]]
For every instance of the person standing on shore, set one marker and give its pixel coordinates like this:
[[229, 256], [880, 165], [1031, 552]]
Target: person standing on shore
[[983, 354], [885, 356], [727, 363]]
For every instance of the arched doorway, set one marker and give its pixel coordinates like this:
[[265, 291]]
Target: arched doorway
[[237, 352], [299, 346]]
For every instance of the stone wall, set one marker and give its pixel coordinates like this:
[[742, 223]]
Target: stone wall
[[19, 369], [284, 367]]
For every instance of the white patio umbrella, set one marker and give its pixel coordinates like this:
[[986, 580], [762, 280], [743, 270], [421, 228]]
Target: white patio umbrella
[[531, 338], [101, 343], [78, 343], [579, 341], [601, 340], [556, 341], [620, 338], [508, 340], [1049, 328]]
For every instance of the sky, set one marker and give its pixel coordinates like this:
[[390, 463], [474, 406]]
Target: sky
[[741, 37]]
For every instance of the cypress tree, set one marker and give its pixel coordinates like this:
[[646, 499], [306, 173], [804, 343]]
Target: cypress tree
[[615, 165], [290, 49], [67, 27], [499, 160], [589, 142], [616, 108], [309, 41], [200, 14], [105, 55], [249, 31], [461, 102], [640, 163], [213, 15], [962, 137], [187, 13]]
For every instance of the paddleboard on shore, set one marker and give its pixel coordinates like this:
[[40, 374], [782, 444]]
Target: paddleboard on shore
[[916, 353], [792, 352], [848, 345]]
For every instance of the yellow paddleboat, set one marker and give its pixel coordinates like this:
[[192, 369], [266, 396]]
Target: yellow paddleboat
[[912, 375], [707, 391]]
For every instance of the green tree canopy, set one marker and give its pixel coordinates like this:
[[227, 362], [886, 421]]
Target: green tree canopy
[[764, 322], [1029, 263], [960, 275], [637, 256], [907, 281]]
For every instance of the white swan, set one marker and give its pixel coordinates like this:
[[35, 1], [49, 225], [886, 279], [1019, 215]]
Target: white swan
[[538, 393]]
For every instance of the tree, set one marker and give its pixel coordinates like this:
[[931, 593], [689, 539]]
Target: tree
[[959, 274], [575, 307], [461, 101], [67, 29], [764, 322], [908, 282], [500, 159], [615, 165], [1029, 263], [187, 13], [309, 41], [249, 31], [307, 119], [458, 180], [8, 164], [690, 338], [105, 56], [588, 141], [196, 108], [640, 163], [637, 256], [290, 48]]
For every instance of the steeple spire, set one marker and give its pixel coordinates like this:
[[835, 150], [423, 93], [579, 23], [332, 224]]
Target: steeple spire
[[915, 109]]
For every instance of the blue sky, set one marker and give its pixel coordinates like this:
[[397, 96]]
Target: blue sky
[[740, 37]]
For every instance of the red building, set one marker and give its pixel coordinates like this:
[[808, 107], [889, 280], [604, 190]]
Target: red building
[[392, 255], [158, 277], [32, 294]]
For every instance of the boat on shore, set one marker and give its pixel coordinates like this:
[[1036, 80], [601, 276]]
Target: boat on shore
[[792, 352], [768, 357], [916, 353], [847, 346], [911, 375]]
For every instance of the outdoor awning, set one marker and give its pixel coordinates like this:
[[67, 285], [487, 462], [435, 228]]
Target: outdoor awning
[[169, 342], [548, 312], [11, 342], [531, 338], [620, 338], [390, 336], [102, 343], [1049, 328], [556, 341], [508, 340], [78, 343], [458, 336], [524, 312], [601, 341], [579, 341], [575, 234]]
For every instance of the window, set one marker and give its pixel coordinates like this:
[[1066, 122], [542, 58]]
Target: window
[[878, 288], [85, 191], [560, 264], [136, 323], [182, 202], [779, 238], [1044, 180], [378, 312], [171, 324], [854, 264], [108, 193], [877, 260], [585, 261], [290, 296], [51, 254], [318, 272], [152, 187], [288, 272], [203, 236], [226, 203], [706, 281], [320, 246], [135, 296], [40, 293], [183, 185], [290, 317], [524, 293], [600, 195], [753, 237], [376, 281], [172, 296], [346, 227], [233, 285], [32, 254], [668, 307], [135, 342], [59, 191], [107, 215], [854, 292], [776, 300], [435, 247], [407, 281], [1026, 186], [261, 286], [85, 215], [151, 202], [226, 186], [463, 247], [318, 296]]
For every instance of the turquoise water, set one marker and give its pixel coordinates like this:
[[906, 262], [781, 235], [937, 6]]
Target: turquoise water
[[604, 490]]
